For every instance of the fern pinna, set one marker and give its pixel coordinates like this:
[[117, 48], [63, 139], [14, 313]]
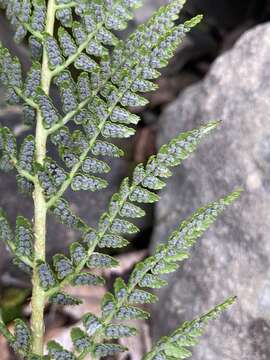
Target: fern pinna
[[110, 78]]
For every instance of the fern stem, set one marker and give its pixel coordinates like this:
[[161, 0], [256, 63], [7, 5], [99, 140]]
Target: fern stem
[[69, 116], [40, 210]]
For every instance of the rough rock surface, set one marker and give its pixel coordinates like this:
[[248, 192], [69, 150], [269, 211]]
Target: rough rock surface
[[234, 256], [149, 6]]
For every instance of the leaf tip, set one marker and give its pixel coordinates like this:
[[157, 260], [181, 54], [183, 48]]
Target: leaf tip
[[189, 24]]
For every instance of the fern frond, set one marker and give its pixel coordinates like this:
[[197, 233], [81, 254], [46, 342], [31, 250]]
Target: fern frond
[[122, 59], [119, 88], [147, 273], [112, 76], [91, 35], [176, 345], [111, 227]]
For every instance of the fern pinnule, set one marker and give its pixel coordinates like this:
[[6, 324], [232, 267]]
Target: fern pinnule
[[166, 259], [178, 343]]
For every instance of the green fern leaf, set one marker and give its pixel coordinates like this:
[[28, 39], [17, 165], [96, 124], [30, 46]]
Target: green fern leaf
[[113, 76], [121, 115], [67, 43], [22, 337], [80, 339], [56, 173], [64, 299], [130, 210], [86, 182], [25, 11], [49, 112], [84, 86], [77, 253], [88, 279], [119, 331], [91, 323], [29, 115], [120, 288], [102, 261], [53, 51], [152, 281], [103, 350], [8, 149], [26, 155], [65, 17], [120, 226], [108, 304], [57, 352], [62, 265], [35, 47], [113, 241], [38, 15], [33, 80], [111, 130], [175, 346], [85, 63], [141, 297], [164, 260], [65, 215], [131, 313], [92, 165], [24, 237], [68, 96], [46, 276], [191, 229], [106, 149], [141, 195]]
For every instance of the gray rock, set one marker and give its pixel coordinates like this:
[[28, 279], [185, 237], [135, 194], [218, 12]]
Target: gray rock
[[234, 256], [149, 6]]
